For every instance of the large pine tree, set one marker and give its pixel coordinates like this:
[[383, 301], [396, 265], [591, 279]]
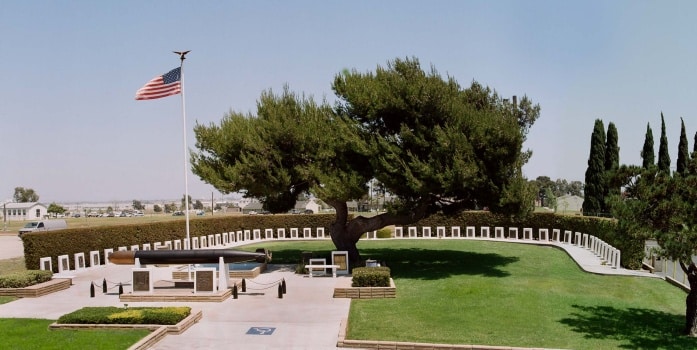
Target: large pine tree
[[647, 155], [683, 150], [663, 155], [594, 191]]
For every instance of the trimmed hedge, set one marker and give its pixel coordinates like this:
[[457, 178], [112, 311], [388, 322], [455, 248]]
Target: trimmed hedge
[[71, 241], [25, 278], [83, 240], [371, 277], [126, 315]]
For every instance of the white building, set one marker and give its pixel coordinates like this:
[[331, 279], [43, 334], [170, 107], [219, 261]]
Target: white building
[[569, 204], [23, 211]]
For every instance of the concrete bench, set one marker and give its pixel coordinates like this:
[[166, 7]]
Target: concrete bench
[[322, 267]]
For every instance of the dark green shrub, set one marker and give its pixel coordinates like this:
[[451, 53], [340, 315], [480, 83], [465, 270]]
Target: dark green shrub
[[25, 278], [125, 315], [371, 277]]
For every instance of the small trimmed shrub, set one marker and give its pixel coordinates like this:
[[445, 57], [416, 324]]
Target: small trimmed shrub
[[134, 315], [25, 278], [371, 277], [385, 232]]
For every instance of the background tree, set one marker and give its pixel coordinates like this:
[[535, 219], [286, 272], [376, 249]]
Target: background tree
[[171, 207], [663, 155], [683, 150], [25, 195], [157, 208], [551, 199], [612, 164], [55, 209], [183, 205], [575, 188], [198, 205], [435, 146], [137, 205], [542, 183], [612, 159], [663, 207], [647, 154], [594, 188]]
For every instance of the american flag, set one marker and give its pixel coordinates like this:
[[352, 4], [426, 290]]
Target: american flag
[[161, 86]]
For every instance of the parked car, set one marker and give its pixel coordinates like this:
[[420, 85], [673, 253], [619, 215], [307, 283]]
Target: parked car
[[178, 213], [138, 213]]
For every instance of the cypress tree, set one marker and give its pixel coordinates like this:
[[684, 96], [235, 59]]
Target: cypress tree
[[612, 162], [647, 151], [694, 145], [683, 153], [595, 179], [663, 155], [612, 150]]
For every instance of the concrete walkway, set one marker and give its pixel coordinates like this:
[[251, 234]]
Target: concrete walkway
[[307, 317]]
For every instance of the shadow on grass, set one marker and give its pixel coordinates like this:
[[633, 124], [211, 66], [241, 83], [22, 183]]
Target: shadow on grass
[[633, 328], [432, 264]]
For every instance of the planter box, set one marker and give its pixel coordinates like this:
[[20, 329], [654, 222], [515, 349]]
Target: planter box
[[37, 290], [365, 292], [158, 331]]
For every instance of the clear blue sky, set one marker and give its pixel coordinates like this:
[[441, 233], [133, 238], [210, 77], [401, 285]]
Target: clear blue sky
[[71, 129]]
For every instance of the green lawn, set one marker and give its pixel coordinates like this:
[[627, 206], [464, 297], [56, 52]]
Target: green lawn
[[494, 293], [27, 333]]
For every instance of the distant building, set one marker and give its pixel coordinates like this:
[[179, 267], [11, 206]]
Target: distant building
[[569, 204], [306, 206], [255, 207], [23, 211]]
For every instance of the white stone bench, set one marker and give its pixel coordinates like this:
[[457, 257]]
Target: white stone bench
[[323, 267]]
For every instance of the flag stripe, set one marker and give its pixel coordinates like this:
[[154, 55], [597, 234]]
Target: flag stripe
[[161, 86]]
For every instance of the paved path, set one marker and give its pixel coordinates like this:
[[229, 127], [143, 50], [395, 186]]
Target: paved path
[[307, 317], [10, 246]]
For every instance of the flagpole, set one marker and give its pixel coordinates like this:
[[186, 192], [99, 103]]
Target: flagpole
[[182, 57]]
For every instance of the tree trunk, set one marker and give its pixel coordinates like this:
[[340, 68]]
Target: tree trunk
[[691, 300], [342, 238], [345, 234]]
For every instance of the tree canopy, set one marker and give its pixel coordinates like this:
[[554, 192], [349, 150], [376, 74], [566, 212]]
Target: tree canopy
[[683, 150], [433, 145], [594, 189], [55, 209], [661, 206], [25, 195], [663, 155], [647, 154]]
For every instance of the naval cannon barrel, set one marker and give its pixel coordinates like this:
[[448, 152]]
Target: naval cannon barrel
[[184, 257]]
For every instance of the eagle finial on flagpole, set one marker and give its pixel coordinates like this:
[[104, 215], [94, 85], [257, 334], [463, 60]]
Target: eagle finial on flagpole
[[182, 54]]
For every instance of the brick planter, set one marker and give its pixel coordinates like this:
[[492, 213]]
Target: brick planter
[[344, 291], [37, 290]]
